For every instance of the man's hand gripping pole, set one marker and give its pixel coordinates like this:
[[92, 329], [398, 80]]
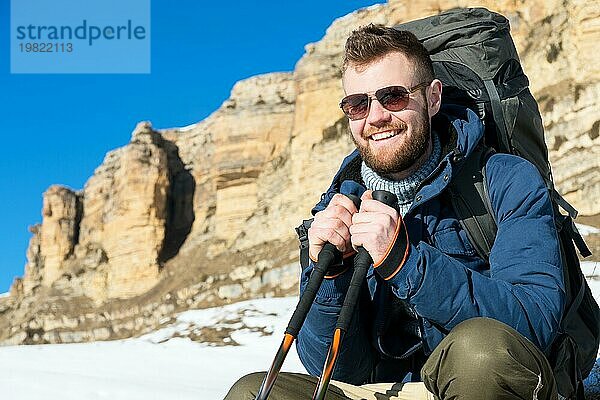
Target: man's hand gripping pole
[[362, 262], [324, 261]]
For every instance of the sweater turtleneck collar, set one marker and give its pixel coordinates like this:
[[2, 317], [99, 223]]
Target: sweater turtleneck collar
[[405, 189]]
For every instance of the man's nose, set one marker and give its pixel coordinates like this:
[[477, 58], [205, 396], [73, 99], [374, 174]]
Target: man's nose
[[377, 113]]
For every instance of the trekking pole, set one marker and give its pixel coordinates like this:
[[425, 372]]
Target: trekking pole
[[362, 262], [325, 259]]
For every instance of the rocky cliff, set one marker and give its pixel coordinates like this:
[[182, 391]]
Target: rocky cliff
[[204, 215]]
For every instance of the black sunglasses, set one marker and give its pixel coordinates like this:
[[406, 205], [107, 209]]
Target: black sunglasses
[[392, 98]]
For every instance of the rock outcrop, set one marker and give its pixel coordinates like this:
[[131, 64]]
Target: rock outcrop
[[204, 215]]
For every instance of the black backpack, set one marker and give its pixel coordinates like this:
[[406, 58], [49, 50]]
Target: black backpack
[[474, 56]]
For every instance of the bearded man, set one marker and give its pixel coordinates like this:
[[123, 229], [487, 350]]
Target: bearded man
[[435, 319]]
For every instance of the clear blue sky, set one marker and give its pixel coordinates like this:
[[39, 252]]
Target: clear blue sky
[[56, 129]]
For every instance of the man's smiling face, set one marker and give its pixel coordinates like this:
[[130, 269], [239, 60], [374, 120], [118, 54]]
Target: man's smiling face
[[391, 142]]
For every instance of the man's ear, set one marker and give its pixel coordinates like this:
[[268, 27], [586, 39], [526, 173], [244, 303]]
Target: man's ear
[[434, 97]]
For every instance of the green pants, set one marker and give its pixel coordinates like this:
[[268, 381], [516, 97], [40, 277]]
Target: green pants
[[480, 359]]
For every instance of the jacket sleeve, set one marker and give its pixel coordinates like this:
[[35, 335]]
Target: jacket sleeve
[[354, 362], [525, 286]]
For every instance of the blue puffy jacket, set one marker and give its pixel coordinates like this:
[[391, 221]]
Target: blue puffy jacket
[[443, 281]]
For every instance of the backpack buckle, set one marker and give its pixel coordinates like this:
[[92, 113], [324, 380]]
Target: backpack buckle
[[302, 232]]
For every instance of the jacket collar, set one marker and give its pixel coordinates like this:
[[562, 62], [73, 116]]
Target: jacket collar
[[459, 128]]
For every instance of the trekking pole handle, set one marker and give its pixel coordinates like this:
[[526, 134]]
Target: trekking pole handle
[[387, 198], [361, 265], [362, 261], [325, 259]]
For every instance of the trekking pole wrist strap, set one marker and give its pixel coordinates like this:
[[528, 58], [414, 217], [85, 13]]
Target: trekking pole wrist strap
[[396, 254]]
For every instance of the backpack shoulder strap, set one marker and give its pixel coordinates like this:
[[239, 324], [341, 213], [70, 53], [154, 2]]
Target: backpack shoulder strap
[[498, 116], [470, 200]]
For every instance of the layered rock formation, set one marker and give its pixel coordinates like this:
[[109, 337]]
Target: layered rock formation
[[203, 215]]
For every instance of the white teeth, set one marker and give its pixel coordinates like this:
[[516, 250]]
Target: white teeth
[[384, 135]]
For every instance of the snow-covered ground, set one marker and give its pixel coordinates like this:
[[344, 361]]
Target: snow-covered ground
[[162, 366], [591, 270], [586, 229], [149, 368]]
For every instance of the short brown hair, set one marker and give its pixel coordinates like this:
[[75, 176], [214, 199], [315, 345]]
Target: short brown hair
[[371, 42]]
